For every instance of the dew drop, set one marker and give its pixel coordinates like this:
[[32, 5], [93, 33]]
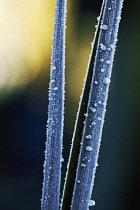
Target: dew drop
[[55, 88], [108, 62], [102, 46], [102, 60], [106, 80], [88, 137], [102, 70], [53, 68], [91, 203], [83, 165], [96, 82], [92, 109], [89, 149], [99, 118], [104, 27], [78, 181], [86, 114]]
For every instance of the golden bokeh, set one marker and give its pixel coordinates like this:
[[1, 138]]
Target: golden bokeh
[[25, 30]]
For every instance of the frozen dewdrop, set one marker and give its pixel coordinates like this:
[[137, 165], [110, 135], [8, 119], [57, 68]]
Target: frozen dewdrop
[[86, 114], [92, 109], [98, 18], [93, 123], [101, 60], [104, 103], [102, 70], [96, 83], [108, 62], [109, 8], [112, 46], [78, 181], [55, 88], [95, 104], [99, 118], [96, 26], [89, 149], [104, 27], [52, 80], [102, 47], [83, 165], [50, 167], [99, 102], [84, 122], [81, 143], [62, 159], [53, 68], [106, 80], [88, 137], [91, 203]]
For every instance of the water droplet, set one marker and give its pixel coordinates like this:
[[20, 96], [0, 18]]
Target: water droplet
[[98, 18], [91, 203], [83, 165], [108, 62], [104, 27], [99, 118], [102, 46], [86, 114], [109, 8], [112, 46], [78, 181], [62, 159], [89, 149], [88, 137], [96, 82], [55, 88], [102, 70], [92, 109], [53, 68], [101, 60], [93, 123], [52, 80], [99, 102], [95, 104], [106, 80]]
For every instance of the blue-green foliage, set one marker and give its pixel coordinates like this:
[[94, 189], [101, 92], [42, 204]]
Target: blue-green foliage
[[90, 118], [52, 164]]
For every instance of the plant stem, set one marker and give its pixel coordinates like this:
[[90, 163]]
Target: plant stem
[[52, 164], [78, 130], [92, 132]]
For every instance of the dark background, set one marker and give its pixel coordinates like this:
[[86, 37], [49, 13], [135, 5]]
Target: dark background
[[23, 116]]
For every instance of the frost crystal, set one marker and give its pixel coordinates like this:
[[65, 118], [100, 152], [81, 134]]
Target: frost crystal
[[102, 46], [89, 149], [107, 80], [83, 165], [88, 137], [104, 27], [91, 203]]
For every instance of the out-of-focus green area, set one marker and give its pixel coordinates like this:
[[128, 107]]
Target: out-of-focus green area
[[25, 45]]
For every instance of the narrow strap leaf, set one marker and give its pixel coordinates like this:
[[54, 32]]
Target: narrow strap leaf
[[52, 164], [95, 114]]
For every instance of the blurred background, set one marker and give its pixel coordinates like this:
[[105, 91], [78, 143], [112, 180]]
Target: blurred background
[[26, 28]]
